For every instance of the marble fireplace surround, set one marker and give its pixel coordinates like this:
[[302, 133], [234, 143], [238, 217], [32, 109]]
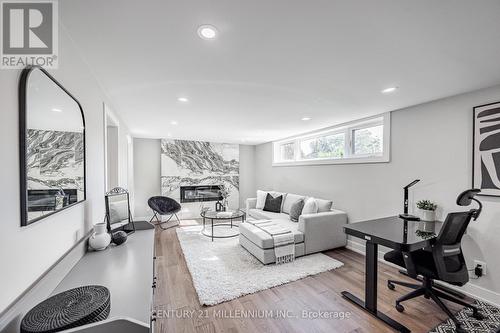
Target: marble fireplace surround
[[193, 163]]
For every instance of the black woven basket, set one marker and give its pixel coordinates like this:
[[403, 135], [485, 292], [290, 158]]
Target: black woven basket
[[71, 308]]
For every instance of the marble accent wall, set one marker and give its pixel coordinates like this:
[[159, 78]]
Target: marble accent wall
[[188, 163]]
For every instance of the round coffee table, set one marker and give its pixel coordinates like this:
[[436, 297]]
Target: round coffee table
[[221, 216]]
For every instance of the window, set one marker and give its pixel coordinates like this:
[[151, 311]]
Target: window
[[324, 146], [363, 141], [287, 151], [368, 140]]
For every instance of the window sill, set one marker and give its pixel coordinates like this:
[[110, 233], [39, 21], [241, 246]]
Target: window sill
[[352, 160]]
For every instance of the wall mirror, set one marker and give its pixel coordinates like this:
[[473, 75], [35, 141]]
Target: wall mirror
[[52, 146]]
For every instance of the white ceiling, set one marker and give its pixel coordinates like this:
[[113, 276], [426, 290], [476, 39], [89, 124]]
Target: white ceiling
[[276, 61]]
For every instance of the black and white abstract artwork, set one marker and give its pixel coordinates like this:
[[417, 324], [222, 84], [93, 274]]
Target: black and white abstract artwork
[[486, 164], [190, 163]]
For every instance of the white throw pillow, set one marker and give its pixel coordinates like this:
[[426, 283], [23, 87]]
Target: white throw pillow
[[310, 206], [261, 199]]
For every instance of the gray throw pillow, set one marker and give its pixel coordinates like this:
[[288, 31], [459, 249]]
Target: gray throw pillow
[[296, 210]]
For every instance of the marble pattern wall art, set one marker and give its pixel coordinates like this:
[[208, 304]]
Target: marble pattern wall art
[[486, 164], [188, 163], [54, 161]]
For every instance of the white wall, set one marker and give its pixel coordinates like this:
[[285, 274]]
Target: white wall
[[147, 173], [25, 253], [433, 142]]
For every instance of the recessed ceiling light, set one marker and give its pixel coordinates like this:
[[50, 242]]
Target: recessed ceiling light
[[183, 99], [207, 32], [173, 122], [169, 135], [56, 110], [306, 118], [389, 90]]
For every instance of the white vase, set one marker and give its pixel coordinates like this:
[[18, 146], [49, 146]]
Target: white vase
[[427, 215], [100, 239]]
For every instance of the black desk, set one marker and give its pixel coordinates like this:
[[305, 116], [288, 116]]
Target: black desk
[[391, 232]]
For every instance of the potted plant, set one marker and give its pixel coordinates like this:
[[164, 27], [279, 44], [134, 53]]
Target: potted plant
[[427, 210]]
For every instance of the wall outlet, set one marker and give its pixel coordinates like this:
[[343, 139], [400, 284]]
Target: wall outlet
[[483, 266], [78, 235]]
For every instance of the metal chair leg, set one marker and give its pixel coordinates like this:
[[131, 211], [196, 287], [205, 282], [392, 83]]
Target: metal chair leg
[[443, 307], [159, 223]]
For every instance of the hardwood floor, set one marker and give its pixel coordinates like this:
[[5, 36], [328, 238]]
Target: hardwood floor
[[180, 311]]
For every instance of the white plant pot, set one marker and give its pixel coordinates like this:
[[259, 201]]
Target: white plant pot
[[427, 215], [100, 239]]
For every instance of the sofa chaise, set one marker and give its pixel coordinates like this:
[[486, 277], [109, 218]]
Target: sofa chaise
[[313, 232]]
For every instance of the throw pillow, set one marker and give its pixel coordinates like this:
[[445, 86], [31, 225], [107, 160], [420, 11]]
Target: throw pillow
[[324, 205], [310, 206], [273, 204], [296, 210], [261, 199]]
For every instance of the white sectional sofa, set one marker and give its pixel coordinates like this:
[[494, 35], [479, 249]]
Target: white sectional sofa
[[315, 232]]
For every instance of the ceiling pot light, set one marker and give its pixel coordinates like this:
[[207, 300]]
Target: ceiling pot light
[[183, 99], [207, 32], [306, 118], [173, 122], [56, 110], [389, 90]]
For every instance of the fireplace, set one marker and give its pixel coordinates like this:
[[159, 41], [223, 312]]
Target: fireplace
[[200, 193]]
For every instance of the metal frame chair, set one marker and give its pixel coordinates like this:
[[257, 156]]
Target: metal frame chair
[[159, 211]]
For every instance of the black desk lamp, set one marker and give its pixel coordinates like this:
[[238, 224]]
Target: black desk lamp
[[407, 216]]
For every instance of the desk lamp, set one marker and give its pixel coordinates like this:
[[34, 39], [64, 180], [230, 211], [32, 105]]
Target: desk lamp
[[407, 216]]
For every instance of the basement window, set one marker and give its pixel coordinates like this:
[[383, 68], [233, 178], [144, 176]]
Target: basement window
[[362, 141]]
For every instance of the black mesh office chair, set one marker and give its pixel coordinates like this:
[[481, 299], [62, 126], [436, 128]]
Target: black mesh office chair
[[443, 261]]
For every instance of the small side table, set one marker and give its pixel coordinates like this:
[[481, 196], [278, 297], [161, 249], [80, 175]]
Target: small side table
[[215, 216]]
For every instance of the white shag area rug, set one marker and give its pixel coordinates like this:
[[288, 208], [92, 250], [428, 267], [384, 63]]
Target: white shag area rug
[[223, 270]]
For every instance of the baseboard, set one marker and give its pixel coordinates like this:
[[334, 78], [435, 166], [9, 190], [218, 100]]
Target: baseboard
[[39, 290], [470, 289]]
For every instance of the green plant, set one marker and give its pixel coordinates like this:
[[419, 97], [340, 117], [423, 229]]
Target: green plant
[[426, 205]]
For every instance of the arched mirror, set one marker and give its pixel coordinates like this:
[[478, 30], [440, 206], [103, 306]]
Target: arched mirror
[[52, 146]]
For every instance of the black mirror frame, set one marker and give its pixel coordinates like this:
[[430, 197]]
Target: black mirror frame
[[23, 84]]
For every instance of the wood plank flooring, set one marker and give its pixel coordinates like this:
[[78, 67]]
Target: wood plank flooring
[[180, 311]]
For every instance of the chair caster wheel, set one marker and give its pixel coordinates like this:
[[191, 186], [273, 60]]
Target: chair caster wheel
[[427, 296], [460, 329], [478, 315], [391, 286], [400, 308]]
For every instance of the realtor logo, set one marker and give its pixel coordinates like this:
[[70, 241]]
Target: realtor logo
[[29, 34]]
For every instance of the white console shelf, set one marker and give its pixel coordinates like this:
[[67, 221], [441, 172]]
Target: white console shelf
[[128, 272]]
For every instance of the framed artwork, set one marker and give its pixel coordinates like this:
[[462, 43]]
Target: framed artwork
[[486, 149]]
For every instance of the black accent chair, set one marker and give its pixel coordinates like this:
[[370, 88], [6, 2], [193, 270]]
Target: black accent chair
[[164, 206], [442, 261]]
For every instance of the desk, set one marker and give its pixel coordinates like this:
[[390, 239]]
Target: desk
[[391, 232]]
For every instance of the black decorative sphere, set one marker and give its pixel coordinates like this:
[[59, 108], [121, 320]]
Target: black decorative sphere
[[119, 237], [69, 309]]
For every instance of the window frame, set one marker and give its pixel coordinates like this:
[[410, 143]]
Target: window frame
[[349, 156]]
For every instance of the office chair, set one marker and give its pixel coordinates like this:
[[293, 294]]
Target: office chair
[[443, 261]]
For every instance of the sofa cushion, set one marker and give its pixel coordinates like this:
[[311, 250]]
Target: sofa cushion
[[289, 200], [324, 205], [296, 210], [310, 206], [273, 204], [259, 214], [265, 241], [261, 199]]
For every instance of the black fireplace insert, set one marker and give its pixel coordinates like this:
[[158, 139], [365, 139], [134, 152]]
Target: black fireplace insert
[[200, 193]]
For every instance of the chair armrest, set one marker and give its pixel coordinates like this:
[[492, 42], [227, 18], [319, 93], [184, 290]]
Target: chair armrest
[[250, 203], [323, 231]]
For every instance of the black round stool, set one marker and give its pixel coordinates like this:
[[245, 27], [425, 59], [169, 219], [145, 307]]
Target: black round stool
[[71, 308]]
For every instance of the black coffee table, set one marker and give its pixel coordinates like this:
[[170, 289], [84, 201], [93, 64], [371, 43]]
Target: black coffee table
[[218, 216]]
